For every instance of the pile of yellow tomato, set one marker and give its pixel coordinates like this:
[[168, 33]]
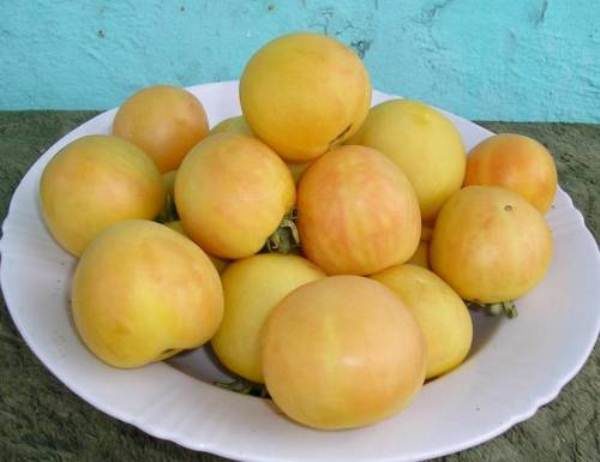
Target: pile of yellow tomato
[[324, 248]]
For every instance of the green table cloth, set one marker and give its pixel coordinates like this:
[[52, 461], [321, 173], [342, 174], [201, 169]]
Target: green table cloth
[[40, 419]]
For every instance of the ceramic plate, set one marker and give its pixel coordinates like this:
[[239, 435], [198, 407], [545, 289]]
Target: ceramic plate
[[532, 356]]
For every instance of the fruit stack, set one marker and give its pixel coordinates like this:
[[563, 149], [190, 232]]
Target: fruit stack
[[324, 248]]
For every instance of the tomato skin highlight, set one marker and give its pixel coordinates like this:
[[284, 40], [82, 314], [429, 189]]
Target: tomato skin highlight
[[490, 244], [515, 162], [357, 212], [342, 352]]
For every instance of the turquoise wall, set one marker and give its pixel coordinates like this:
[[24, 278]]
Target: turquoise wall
[[483, 59]]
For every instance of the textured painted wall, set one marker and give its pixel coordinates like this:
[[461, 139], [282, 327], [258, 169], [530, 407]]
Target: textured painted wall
[[484, 59]]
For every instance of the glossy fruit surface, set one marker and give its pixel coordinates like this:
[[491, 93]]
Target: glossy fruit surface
[[253, 287], [94, 182], [515, 162], [342, 352], [142, 292], [304, 93], [164, 121], [441, 314], [490, 244], [232, 192], [358, 214]]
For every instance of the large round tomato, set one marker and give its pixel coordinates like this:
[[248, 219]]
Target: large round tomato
[[304, 93], [165, 121], [94, 182], [490, 244], [515, 162], [142, 292], [231, 193], [342, 352], [357, 212]]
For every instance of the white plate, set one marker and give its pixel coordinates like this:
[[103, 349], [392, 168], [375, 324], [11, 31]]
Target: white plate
[[515, 366]]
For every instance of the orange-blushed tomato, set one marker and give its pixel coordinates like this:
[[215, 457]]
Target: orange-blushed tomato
[[342, 352], [515, 162], [164, 121], [490, 244], [357, 212], [94, 182], [303, 93], [231, 193], [142, 292]]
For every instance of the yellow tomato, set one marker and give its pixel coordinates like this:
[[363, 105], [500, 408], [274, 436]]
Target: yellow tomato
[[423, 143], [515, 162], [94, 182], [342, 352], [357, 212], [304, 93], [164, 121], [232, 192], [441, 314], [490, 244], [253, 287], [142, 292]]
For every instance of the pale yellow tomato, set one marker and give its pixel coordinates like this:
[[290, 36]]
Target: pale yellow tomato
[[423, 143], [94, 182], [304, 93], [232, 192], [164, 121], [442, 316], [490, 244], [142, 292], [342, 352], [253, 287]]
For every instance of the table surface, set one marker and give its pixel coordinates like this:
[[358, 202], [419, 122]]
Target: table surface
[[40, 419]]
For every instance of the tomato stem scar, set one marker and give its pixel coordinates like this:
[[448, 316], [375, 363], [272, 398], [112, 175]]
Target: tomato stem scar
[[507, 308], [285, 239]]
